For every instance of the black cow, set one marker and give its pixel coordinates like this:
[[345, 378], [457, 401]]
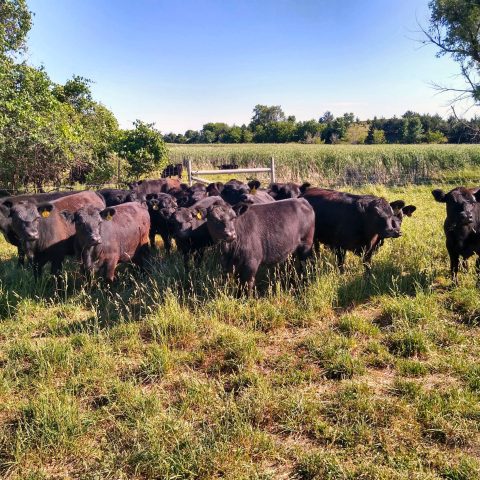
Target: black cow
[[171, 170], [462, 225], [161, 207], [115, 197], [44, 233], [282, 191], [143, 187], [228, 166], [106, 237], [6, 219], [190, 228], [356, 223], [214, 189], [261, 234]]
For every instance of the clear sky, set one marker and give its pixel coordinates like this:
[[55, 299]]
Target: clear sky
[[182, 63]]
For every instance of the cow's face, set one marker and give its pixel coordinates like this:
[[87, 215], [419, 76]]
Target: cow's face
[[232, 192], [87, 222], [380, 216], [197, 192], [183, 221], [163, 204], [26, 218], [221, 222], [214, 189], [460, 203], [283, 191]]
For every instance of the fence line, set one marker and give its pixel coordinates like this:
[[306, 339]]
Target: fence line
[[192, 174]]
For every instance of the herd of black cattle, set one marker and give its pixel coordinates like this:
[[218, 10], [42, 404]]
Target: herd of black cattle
[[254, 226]]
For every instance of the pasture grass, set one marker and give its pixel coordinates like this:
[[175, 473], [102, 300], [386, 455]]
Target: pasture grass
[[171, 376]]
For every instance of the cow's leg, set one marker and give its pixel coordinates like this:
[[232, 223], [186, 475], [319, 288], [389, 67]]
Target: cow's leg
[[37, 269], [151, 236], [367, 261], [340, 257], [247, 274], [141, 255], [167, 242], [477, 270], [21, 256], [454, 264], [465, 264]]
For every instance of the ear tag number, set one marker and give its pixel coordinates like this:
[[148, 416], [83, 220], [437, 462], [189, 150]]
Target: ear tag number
[[45, 214]]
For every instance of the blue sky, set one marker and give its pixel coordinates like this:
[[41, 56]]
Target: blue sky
[[183, 63]]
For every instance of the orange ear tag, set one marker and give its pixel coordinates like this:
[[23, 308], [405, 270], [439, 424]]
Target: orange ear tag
[[45, 214]]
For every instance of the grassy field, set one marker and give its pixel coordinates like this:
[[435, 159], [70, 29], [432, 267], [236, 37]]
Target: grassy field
[[338, 165], [168, 377]]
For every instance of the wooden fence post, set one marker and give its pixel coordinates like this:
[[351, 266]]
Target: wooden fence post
[[272, 170]]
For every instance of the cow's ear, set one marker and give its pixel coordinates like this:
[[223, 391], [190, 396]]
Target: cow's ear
[[68, 216], [304, 187], [8, 203], [397, 205], [200, 214], [241, 208], [253, 185], [107, 214], [274, 187], [439, 195], [151, 196], [363, 204], [408, 210], [477, 195], [45, 210]]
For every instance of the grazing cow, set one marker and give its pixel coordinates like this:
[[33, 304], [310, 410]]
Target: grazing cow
[[190, 228], [44, 233], [6, 220], [161, 207], [462, 225], [356, 223], [228, 166], [261, 234], [143, 187], [106, 237], [256, 195], [214, 189], [114, 197], [282, 191], [171, 170]]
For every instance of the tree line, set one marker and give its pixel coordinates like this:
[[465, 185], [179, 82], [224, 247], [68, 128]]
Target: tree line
[[57, 133], [269, 124]]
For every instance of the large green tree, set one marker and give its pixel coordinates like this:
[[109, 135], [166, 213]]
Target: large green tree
[[454, 29], [143, 148], [15, 22]]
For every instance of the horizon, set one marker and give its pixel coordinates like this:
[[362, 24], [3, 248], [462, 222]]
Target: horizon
[[205, 61]]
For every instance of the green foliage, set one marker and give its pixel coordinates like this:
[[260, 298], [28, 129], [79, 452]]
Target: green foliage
[[434, 136], [15, 22], [143, 148]]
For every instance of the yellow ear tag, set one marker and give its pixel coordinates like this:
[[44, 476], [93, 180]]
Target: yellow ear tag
[[45, 214], [108, 217], [199, 215], [253, 191], [155, 207]]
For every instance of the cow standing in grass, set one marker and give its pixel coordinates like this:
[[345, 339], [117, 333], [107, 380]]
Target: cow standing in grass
[[261, 234], [43, 231], [462, 225], [106, 237], [356, 223]]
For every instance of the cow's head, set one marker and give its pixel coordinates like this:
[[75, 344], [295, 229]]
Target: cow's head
[[233, 191], [221, 221], [460, 204], [184, 221], [162, 204], [214, 189], [383, 218], [88, 221], [27, 217], [283, 191]]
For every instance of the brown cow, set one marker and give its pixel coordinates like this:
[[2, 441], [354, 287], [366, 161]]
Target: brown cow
[[106, 237], [43, 231]]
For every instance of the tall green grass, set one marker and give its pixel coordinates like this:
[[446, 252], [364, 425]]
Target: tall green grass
[[344, 164], [170, 376]]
